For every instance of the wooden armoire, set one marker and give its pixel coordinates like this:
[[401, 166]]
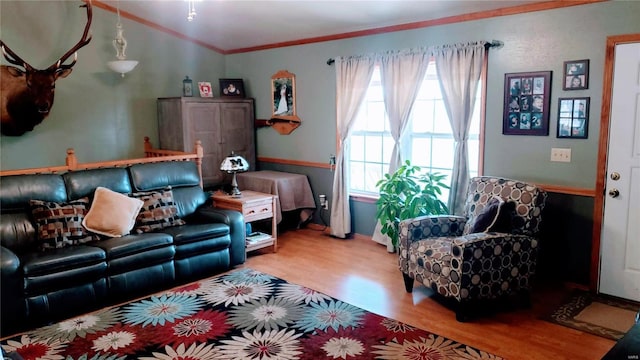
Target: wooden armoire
[[222, 125]]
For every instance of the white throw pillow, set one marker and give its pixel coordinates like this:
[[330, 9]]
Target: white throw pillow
[[111, 213]]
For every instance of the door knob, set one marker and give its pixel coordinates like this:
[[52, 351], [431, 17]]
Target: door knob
[[615, 175], [614, 193]]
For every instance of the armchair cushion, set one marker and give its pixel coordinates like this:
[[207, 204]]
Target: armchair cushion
[[434, 254], [495, 217]]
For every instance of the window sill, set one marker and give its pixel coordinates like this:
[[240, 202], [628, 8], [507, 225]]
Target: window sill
[[365, 198]]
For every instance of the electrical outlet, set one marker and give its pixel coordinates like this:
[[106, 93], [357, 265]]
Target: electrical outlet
[[323, 202], [561, 154], [332, 159]]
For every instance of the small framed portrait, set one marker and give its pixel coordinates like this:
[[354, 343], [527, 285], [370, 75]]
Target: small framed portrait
[[526, 103], [573, 118], [576, 75], [205, 89], [283, 94], [231, 87]]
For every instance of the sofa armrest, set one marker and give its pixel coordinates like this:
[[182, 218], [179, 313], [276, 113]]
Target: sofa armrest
[[13, 306], [511, 257], [237, 229], [9, 262], [423, 227]]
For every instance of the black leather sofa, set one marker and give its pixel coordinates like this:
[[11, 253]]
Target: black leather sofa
[[42, 286]]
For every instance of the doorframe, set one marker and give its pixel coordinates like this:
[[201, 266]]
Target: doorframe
[[603, 144]]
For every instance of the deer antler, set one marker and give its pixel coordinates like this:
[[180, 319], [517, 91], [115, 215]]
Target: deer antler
[[12, 57], [86, 37]]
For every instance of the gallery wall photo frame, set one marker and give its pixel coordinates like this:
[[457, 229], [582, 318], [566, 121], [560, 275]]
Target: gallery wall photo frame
[[526, 103], [231, 87], [573, 117], [576, 75]]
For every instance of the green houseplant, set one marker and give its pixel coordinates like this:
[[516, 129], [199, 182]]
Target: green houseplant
[[406, 194]]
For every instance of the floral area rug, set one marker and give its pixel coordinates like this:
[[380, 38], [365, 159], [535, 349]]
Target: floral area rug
[[600, 315], [244, 314]]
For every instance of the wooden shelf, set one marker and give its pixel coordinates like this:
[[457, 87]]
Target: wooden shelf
[[260, 244], [282, 124]]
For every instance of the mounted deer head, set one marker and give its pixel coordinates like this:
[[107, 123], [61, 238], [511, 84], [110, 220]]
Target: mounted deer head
[[27, 93]]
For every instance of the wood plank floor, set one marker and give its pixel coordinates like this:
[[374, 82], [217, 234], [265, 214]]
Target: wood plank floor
[[361, 272]]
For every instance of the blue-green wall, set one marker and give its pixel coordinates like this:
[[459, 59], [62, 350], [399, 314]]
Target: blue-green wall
[[537, 41], [98, 113]]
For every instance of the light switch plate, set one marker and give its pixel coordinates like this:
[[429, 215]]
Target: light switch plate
[[561, 154]]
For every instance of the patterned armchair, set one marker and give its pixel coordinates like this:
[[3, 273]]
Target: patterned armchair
[[442, 252]]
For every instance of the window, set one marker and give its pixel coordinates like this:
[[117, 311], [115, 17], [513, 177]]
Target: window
[[429, 139]]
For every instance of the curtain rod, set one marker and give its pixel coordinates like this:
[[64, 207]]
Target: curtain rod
[[487, 46]]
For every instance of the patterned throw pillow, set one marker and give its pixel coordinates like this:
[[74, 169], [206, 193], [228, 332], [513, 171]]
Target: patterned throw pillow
[[159, 211], [60, 224]]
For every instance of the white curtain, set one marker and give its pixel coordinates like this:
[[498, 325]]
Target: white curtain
[[353, 75], [402, 74], [459, 68]]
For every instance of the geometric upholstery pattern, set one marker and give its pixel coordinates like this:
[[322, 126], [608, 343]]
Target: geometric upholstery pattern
[[438, 251], [529, 201], [60, 224], [159, 211]]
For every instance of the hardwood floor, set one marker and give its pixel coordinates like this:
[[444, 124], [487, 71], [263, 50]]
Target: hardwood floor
[[361, 272]]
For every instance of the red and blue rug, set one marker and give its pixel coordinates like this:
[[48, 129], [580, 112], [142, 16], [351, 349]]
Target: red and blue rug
[[244, 314]]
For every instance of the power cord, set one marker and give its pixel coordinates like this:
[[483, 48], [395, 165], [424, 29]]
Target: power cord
[[322, 210]]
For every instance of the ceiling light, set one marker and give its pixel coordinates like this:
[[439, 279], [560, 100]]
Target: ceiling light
[[122, 65], [191, 14]]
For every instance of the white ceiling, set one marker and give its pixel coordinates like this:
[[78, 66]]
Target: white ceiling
[[230, 25]]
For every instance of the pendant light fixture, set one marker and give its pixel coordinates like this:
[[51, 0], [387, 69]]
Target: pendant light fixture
[[191, 14], [122, 65]]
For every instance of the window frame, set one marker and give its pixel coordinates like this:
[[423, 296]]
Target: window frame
[[371, 197]]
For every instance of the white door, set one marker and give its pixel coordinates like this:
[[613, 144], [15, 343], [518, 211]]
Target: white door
[[620, 244]]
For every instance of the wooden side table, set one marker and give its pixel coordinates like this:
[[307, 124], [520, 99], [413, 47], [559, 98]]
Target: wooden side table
[[254, 206]]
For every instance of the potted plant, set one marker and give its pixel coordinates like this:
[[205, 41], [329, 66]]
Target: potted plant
[[406, 194]]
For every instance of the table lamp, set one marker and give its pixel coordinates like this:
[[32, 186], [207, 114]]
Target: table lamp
[[233, 164]]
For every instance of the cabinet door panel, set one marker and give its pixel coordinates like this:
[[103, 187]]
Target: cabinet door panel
[[204, 125], [237, 125], [170, 126], [221, 126], [204, 118]]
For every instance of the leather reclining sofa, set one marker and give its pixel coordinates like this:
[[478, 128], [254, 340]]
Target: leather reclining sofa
[[42, 286]]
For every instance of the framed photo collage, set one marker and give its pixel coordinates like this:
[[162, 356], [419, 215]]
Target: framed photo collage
[[526, 102]]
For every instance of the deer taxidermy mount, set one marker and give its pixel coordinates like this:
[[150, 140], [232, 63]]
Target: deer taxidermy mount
[[27, 93]]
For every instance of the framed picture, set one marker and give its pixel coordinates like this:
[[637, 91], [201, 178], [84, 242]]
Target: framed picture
[[283, 95], [231, 87], [576, 75], [573, 117], [526, 103], [205, 89]]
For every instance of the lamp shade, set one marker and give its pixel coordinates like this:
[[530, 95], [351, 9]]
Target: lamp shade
[[122, 66], [234, 163]]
